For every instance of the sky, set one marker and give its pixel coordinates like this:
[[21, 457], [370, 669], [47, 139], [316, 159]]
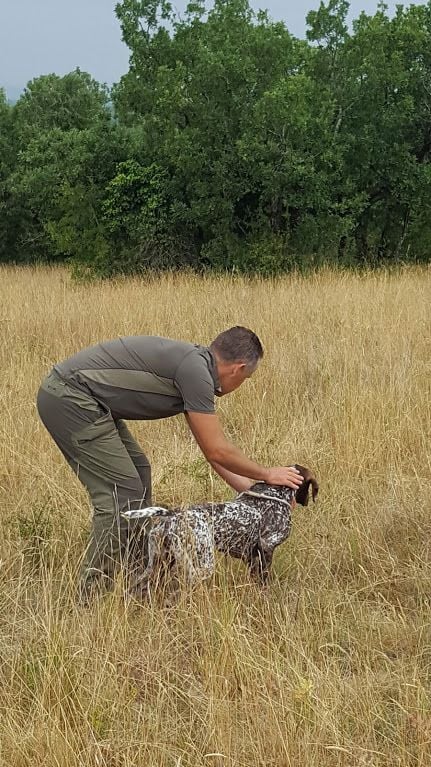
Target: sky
[[42, 36]]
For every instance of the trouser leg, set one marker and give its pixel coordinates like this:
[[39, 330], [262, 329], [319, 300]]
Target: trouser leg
[[88, 437], [141, 462], [138, 546]]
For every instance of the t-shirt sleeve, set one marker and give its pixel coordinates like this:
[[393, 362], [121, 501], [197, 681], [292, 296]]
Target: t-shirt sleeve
[[195, 383]]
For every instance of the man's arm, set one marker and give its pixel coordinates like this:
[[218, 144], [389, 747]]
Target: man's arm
[[235, 481], [208, 433]]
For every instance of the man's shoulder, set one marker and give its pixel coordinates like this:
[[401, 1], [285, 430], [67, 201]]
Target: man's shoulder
[[195, 357]]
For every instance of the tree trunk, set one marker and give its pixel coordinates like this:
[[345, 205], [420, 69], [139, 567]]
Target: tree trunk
[[361, 239], [382, 250], [342, 245], [400, 242]]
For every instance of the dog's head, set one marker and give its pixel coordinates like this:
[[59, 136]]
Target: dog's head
[[301, 493]]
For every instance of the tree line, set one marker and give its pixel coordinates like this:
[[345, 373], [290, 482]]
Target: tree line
[[229, 144]]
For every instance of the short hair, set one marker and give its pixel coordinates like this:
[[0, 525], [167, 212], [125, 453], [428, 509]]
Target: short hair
[[238, 344]]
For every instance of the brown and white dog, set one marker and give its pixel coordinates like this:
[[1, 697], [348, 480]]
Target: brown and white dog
[[249, 527]]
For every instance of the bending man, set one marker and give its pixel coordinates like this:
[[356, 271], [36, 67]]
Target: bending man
[[83, 401]]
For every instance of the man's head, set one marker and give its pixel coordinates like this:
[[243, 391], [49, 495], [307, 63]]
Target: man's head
[[237, 352]]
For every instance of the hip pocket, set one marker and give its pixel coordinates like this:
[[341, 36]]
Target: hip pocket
[[62, 389], [53, 385]]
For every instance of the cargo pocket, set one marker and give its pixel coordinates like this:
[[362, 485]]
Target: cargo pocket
[[102, 428]]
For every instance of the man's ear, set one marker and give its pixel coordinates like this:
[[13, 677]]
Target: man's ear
[[301, 494]]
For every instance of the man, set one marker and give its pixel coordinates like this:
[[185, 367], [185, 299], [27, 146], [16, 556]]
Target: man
[[85, 398]]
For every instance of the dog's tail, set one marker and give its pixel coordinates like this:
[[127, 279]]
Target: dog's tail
[[148, 512]]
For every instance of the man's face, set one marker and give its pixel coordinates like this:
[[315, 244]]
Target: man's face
[[232, 376]]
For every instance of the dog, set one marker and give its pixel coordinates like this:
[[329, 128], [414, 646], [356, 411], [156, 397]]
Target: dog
[[250, 527]]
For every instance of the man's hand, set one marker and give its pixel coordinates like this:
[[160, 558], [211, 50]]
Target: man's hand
[[282, 475]]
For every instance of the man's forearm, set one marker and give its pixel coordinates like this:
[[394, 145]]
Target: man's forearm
[[232, 459], [236, 481]]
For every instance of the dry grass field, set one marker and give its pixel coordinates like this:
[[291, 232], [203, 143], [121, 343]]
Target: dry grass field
[[330, 666]]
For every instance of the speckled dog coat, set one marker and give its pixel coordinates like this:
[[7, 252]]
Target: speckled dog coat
[[250, 528]]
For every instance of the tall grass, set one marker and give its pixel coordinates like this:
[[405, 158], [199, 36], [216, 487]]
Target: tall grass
[[330, 665]]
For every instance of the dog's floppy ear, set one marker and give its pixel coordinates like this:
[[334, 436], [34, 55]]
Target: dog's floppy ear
[[301, 494]]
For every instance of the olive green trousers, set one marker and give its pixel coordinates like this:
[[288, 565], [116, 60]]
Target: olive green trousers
[[112, 467]]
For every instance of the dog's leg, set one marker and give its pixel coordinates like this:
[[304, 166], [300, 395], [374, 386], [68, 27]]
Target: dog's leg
[[139, 586], [260, 561]]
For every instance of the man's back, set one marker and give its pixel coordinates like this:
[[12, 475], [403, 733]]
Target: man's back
[[145, 377]]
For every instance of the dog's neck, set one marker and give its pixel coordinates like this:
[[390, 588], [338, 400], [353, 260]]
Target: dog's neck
[[262, 490]]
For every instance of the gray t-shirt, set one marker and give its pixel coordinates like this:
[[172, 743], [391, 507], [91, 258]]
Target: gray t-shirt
[[145, 377]]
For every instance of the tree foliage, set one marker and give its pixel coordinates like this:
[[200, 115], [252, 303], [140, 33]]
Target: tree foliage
[[228, 144]]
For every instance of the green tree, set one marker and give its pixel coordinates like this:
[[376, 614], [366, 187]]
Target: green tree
[[194, 92], [378, 80], [7, 161], [61, 127], [228, 144], [72, 102]]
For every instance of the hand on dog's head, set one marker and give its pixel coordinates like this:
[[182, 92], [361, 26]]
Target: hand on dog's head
[[301, 493]]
